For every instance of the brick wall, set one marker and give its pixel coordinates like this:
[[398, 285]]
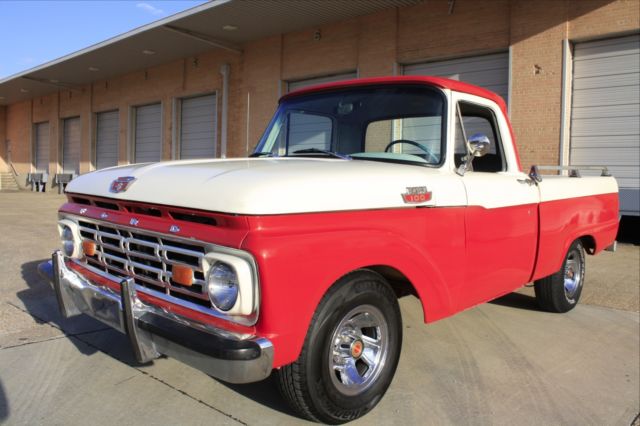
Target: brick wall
[[19, 119], [428, 31], [3, 140], [373, 45]]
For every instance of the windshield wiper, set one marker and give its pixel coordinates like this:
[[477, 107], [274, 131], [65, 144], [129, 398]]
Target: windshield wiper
[[322, 151], [261, 154]]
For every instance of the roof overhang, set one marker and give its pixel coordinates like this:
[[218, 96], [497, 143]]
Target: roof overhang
[[185, 34]]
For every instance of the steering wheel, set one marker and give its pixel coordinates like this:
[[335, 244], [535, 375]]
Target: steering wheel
[[431, 156]]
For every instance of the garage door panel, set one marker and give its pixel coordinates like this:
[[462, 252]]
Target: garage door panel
[[605, 128], [597, 82], [606, 48], [107, 140], [71, 146], [611, 126], [462, 65], [488, 71], [626, 141], [296, 85], [602, 66], [198, 127], [148, 133], [485, 79], [606, 96], [631, 111], [605, 156], [42, 148], [198, 101], [202, 119]]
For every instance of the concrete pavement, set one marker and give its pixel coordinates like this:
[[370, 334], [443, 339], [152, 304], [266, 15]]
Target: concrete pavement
[[501, 363]]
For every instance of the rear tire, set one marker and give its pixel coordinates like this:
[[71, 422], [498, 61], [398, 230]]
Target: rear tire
[[560, 292], [350, 353]]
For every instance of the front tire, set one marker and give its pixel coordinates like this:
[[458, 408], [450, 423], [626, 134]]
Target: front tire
[[350, 353], [560, 292]]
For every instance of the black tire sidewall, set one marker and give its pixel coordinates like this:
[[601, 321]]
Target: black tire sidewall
[[575, 247], [363, 289]]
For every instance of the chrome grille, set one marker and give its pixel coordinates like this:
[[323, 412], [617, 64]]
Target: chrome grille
[[147, 258]]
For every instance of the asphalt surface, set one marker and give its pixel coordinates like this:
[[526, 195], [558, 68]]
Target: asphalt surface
[[504, 362]]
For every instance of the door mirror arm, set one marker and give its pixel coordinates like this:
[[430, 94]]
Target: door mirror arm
[[478, 145]]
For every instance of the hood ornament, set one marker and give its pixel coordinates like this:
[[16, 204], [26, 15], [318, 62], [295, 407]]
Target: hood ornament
[[121, 184]]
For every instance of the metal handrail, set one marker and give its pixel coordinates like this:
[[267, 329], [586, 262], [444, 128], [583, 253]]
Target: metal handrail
[[574, 171], [13, 169]]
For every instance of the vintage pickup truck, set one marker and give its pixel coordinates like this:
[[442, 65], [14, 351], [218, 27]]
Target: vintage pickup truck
[[358, 192]]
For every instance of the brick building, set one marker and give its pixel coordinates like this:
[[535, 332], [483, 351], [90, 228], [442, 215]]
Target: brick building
[[205, 82]]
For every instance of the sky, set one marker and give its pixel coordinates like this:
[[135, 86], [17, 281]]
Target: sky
[[34, 32]]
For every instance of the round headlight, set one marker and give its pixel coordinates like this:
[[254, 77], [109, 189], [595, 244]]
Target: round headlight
[[67, 234], [68, 247], [222, 285]]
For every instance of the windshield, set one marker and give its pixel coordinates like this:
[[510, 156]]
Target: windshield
[[389, 123]]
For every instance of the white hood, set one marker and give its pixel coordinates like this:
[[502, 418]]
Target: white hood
[[268, 185]]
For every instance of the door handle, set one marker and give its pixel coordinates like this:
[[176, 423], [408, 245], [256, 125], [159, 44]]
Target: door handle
[[526, 181]]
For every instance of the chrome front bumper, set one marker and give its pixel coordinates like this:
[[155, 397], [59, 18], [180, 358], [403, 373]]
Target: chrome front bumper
[[154, 331]]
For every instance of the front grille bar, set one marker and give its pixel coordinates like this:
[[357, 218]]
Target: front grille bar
[[147, 258]]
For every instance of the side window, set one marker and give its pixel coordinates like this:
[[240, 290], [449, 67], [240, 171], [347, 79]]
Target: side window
[[479, 119]]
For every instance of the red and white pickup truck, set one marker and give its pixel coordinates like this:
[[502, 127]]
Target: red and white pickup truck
[[358, 192]]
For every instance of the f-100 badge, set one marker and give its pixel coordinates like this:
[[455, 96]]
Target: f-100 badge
[[416, 195]]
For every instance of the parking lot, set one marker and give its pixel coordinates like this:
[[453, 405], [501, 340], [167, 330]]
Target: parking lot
[[504, 362]]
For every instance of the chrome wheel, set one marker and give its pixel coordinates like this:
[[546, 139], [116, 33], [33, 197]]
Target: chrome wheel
[[572, 275], [359, 348]]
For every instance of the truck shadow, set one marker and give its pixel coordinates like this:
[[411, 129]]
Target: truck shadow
[[40, 302], [4, 404], [517, 300], [265, 393], [90, 336]]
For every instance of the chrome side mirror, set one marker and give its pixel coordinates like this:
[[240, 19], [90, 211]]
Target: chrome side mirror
[[479, 144]]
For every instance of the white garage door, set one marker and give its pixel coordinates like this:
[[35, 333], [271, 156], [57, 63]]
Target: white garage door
[[198, 127], [107, 128], [41, 157], [605, 113], [71, 146], [488, 71], [148, 141], [312, 131]]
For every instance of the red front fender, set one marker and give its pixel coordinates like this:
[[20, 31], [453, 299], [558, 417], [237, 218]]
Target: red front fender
[[300, 256]]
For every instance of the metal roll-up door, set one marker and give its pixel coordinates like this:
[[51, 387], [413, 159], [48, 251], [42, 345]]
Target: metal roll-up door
[[71, 146], [107, 128], [148, 141], [198, 127], [41, 157], [605, 111], [488, 71], [299, 84]]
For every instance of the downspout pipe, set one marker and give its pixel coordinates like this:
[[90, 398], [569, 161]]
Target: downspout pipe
[[224, 71]]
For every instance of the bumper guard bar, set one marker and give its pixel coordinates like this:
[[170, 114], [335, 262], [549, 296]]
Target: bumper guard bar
[[154, 331]]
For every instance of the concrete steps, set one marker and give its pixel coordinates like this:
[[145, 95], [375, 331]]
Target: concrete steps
[[8, 182]]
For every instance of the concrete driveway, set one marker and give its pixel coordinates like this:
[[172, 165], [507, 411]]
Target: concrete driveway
[[501, 363]]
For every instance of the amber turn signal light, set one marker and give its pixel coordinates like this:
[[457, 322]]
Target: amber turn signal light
[[182, 274], [89, 247]]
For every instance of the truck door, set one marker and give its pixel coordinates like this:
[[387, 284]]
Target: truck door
[[501, 219]]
